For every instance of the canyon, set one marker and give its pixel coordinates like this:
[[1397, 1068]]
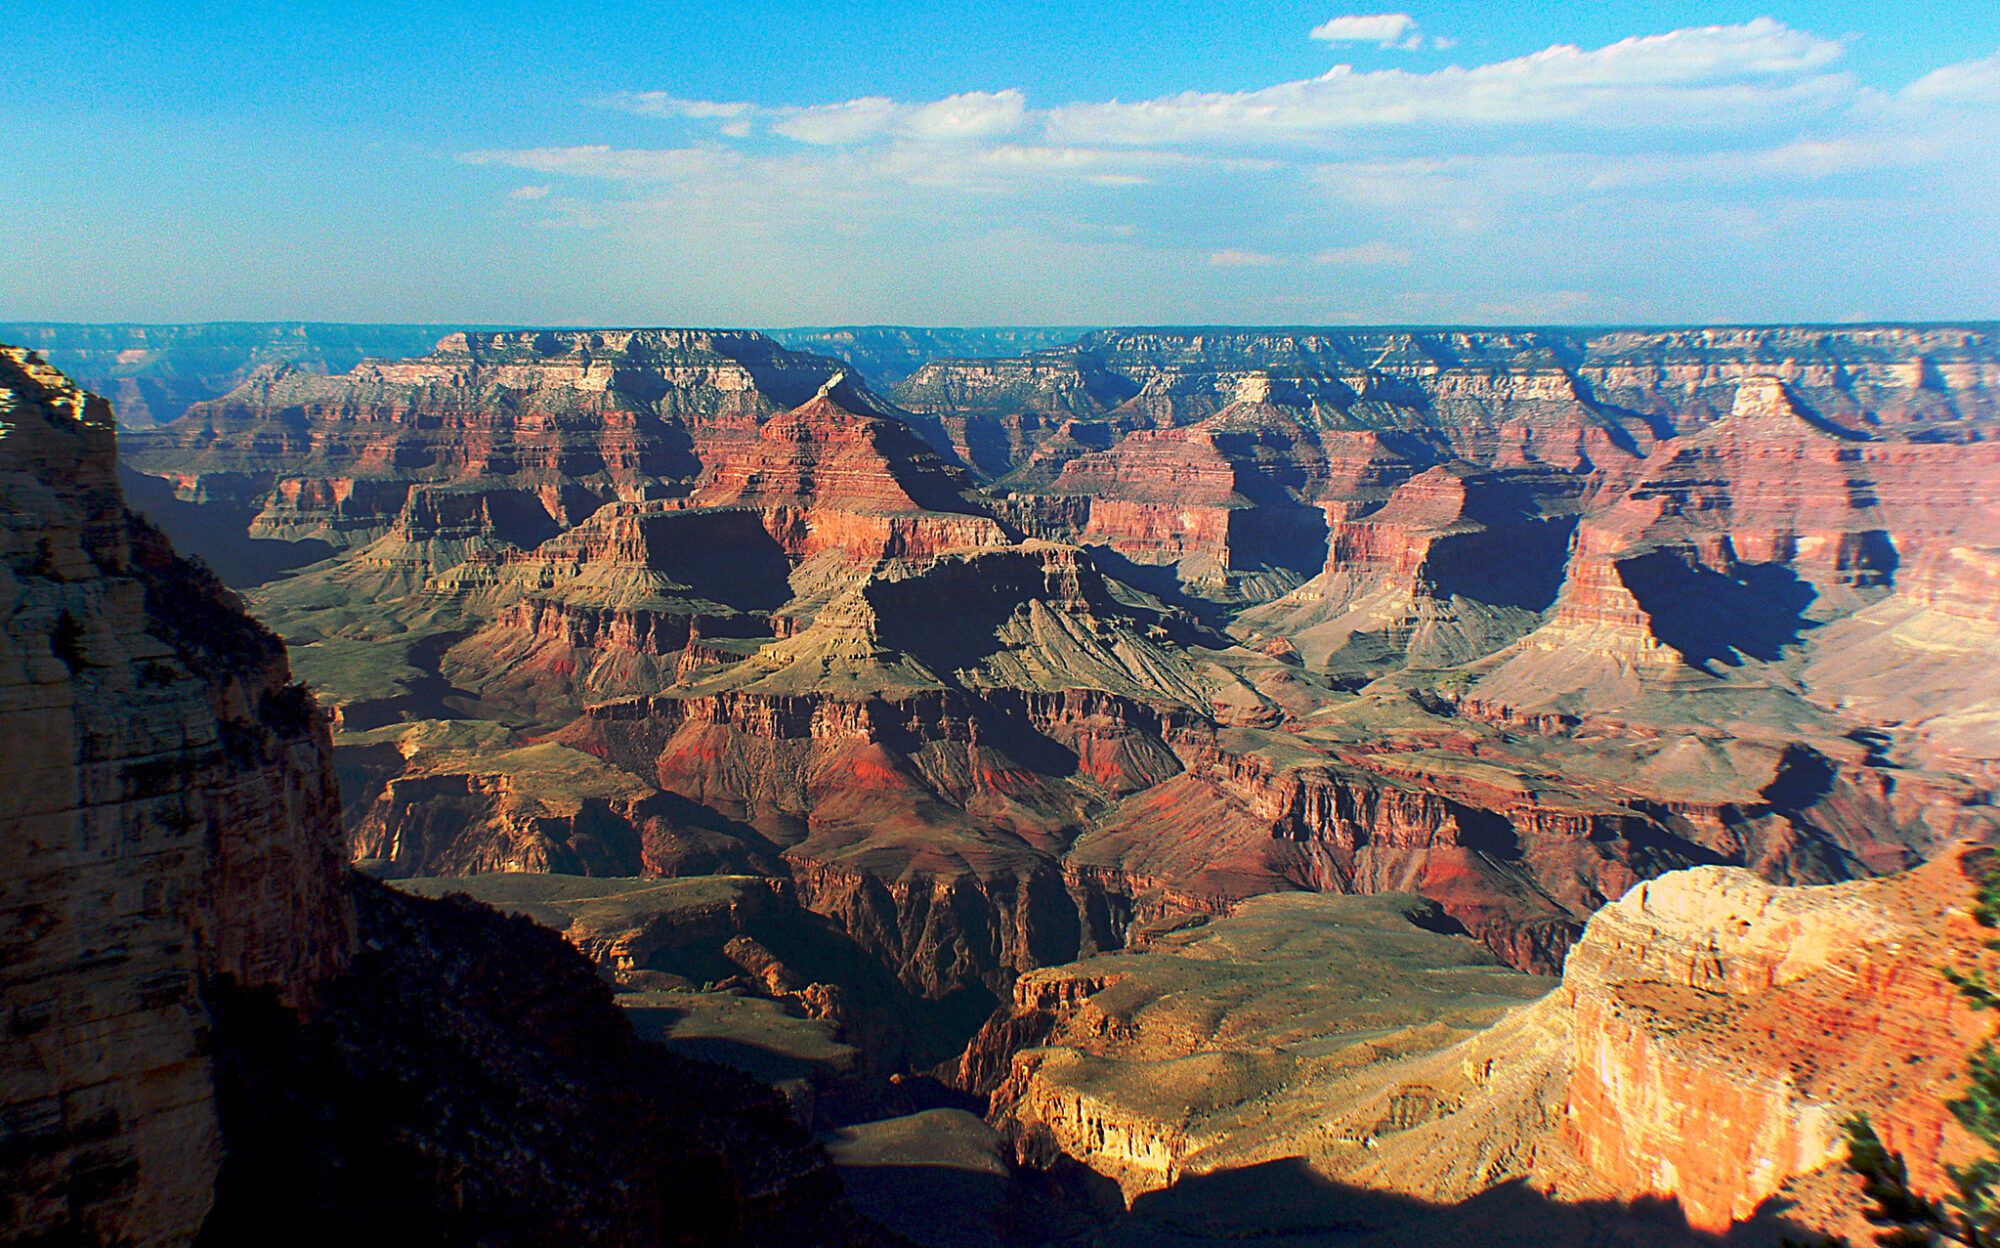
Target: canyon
[[1512, 619], [216, 1031], [1406, 767]]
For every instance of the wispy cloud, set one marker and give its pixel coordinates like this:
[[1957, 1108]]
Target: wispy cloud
[[1968, 82], [662, 104], [967, 116], [1711, 76], [1233, 258], [609, 163], [1692, 147], [1365, 253], [1387, 30]]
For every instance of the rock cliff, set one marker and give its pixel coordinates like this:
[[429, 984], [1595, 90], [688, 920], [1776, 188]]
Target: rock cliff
[[212, 1027], [1710, 1034], [1724, 1029], [1283, 1029], [153, 373], [170, 821]]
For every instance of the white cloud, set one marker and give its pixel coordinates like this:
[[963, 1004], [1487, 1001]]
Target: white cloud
[[1231, 258], [851, 121], [971, 115], [1373, 253], [1709, 75], [661, 104], [610, 163], [528, 192], [1734, 76], [1968, 82], [831, 172], [1385, 29], [1708, 150]]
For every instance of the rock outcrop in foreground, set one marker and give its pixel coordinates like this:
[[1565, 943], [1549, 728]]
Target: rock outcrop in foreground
[[211, 1026], [1725, 1028], [168, 821], [1710, 1035]]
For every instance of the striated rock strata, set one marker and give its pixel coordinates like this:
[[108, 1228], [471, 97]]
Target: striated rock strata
[[169, 821], [1710, 1035], [1724, 1029], [213, 1029], [1142, 625]]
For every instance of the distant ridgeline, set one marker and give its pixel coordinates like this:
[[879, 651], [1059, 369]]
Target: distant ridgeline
[[886, 354], [153, 373]]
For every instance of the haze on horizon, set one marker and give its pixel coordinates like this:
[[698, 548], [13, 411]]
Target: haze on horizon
[[775, 164]]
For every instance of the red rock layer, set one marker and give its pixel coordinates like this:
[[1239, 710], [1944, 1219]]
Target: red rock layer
[[571, 419], [1725, 1028]]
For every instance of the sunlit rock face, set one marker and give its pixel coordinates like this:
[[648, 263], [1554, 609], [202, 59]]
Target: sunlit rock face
[[1296, 1026], [546, 426], [1710, 1035], [214, 1027], [153, 373], [1726, 1028]]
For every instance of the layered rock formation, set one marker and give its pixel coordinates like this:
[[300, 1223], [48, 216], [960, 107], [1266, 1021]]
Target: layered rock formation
[[1231, 1042], [471, 1079], [886, 354], [169, 821], [212, 1027], [1547, 394], [1710, 1035], [540, 427], [153, 373], [1512, 619], [1725, 1029]]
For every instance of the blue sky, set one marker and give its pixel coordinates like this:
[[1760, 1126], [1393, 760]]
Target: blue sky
[[960, 163]]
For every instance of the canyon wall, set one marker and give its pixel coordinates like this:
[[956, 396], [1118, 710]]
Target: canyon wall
[[153, 373], [1726, 1029], [170, 822], [214, 1031], [1144, 624]]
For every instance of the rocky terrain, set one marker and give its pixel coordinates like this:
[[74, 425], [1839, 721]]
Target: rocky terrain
[[153, 373], [214, 1030], [170, 820], [986, 673], [1709, 1035], [886, 354]]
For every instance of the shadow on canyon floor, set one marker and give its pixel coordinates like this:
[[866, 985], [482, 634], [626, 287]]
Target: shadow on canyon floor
[[1712, 618], [217, 534], [1281, 1203]]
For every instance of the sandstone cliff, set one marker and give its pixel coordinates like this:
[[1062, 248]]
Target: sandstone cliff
[[153, 373], [1724, 1029], [1512, 619]]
